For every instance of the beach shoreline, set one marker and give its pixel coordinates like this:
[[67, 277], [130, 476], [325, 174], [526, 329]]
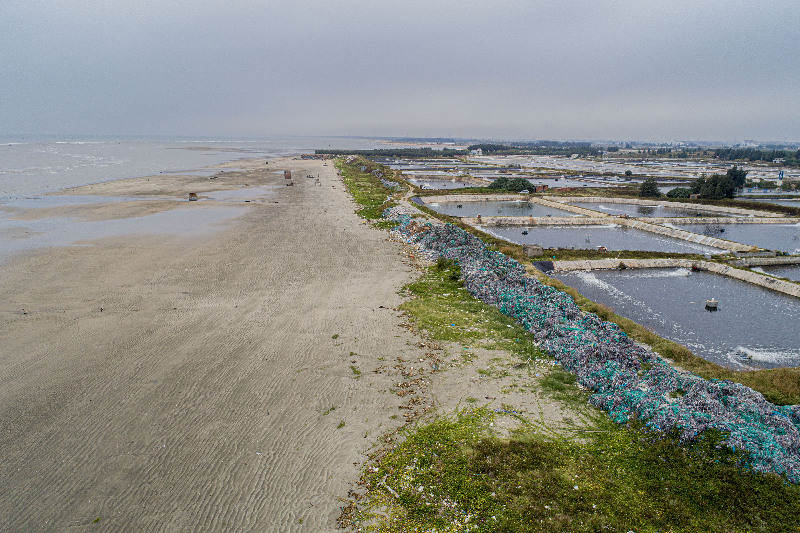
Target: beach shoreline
[[224, 380]]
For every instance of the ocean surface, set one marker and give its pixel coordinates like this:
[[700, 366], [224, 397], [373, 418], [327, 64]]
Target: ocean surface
[[38, 166], [30, 168]]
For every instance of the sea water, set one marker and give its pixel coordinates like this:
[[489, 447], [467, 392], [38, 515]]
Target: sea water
[[29, 168]]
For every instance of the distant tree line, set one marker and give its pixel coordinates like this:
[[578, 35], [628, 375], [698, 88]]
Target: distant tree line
[[716, 187], [538, 148], [755, 154], [398, 152], [492, 148]]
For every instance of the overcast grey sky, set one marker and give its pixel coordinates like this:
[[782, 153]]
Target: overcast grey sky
[[556, 69]]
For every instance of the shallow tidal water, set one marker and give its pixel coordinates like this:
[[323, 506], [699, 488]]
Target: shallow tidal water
[[753, 326]]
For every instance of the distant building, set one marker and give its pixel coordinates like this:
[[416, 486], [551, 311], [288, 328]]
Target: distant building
[[476, 151]]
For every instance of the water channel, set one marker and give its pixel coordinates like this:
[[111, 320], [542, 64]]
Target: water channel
[[753, 326]]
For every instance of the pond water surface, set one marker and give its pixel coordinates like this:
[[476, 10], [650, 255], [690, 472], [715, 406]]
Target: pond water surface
[[611, 236], [635, 210], [492, 209], [780, 237], [753, 326]]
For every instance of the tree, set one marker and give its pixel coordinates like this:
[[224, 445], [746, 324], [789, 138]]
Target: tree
[[516, 184], [679, 192], [649, 189], [715, 187], [738, 176]]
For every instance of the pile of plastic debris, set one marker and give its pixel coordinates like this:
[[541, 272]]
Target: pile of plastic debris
[[629, 380], [390, 184]]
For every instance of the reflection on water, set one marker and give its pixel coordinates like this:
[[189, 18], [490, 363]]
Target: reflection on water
[[782, 237], [611, 236], [492, 209], [753, 326]]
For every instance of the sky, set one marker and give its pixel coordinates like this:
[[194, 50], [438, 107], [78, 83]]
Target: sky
[[724, 70]]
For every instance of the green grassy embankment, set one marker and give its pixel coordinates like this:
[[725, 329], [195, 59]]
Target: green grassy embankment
[[455, 474]]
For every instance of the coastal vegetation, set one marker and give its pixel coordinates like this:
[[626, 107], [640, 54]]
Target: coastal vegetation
[[361, 179], [455, 473]]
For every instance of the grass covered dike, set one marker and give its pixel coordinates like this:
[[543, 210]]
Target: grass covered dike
[[455, 474]]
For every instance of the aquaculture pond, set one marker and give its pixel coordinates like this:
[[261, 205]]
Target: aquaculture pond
[[777, 201], [791, 272], [493, 209], [653, 210], [440, 183], [780, 237], [611, 236], [752, 327], [554, 183]]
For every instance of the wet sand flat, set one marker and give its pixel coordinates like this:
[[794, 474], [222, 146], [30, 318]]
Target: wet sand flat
[[200, 397]]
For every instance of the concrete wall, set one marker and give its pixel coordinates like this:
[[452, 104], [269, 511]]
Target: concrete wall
[[721, 220], [785, 287], [535, 221], [766, 261]]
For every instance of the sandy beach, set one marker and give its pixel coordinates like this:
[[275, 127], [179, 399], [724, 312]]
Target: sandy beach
[[214, 382]]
